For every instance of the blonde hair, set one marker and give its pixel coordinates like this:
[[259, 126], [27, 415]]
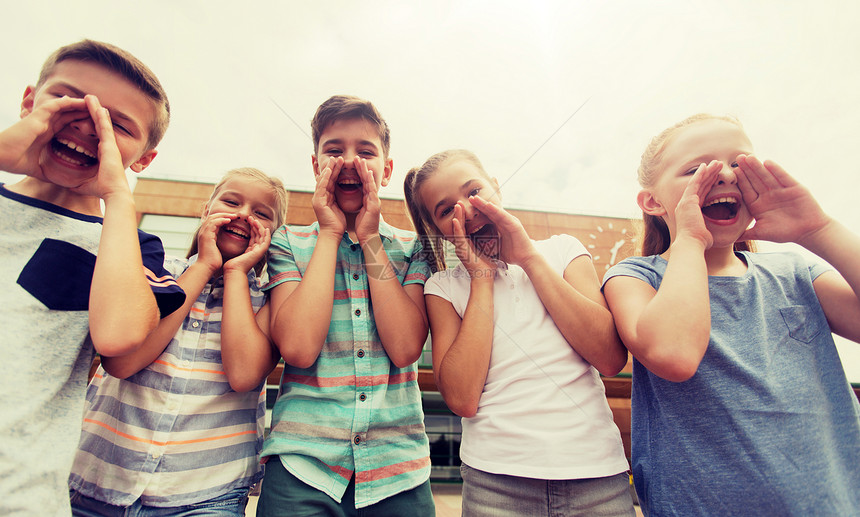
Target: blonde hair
[[123, 63], [655, 234], [249, 172], [430, 236]]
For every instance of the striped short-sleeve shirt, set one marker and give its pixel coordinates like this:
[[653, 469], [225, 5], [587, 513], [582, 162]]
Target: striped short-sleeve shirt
[[174, 433], [352, 412]]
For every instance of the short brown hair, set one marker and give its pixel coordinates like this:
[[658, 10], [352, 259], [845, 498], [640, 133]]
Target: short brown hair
[[124, 63], [341, 107]]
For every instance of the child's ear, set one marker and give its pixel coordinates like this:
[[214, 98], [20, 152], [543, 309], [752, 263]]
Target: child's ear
[[497, 190], [28, 101], [386, 172], [649, 204], [144, 161], [316, 165]]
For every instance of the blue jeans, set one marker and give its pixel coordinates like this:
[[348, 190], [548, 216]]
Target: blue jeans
[[498, 495], [231, 504]]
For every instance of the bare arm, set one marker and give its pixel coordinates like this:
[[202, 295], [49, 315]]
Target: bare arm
[[462, 348], [247, 352], [122, 306], [192, 281], [579, 310], [671, 347], [301, 311], [574, 301], [398, 310]]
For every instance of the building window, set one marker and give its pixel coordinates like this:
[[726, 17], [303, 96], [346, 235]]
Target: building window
[[175, 232]]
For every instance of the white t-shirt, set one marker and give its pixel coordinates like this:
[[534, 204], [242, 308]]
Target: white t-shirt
[[543, 413]]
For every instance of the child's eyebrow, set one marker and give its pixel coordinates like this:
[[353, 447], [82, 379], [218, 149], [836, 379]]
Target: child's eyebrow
[[114, 113], [340, 141], [445, 200]]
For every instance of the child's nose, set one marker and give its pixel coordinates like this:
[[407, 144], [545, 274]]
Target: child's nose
[[727, 175], [85, 125], [243, 211], [469, 211]]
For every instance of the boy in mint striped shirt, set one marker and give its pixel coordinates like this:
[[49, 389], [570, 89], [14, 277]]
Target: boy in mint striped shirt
[[348, 317]]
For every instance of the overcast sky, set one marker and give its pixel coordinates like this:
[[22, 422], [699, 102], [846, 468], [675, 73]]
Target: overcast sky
[[558, 99]]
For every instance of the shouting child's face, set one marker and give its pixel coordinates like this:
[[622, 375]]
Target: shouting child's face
[[70, 158], [723, 209], [352, 139], [451, 185], [243, 197]]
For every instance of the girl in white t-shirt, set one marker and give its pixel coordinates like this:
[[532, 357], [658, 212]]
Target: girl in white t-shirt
[[520, 331]]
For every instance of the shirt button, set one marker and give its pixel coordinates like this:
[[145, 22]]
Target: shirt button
[[360, 353], [362, 397], [512, 286], [355, 276], [195, 324], [356, 440], [353, 247], [358, 312]]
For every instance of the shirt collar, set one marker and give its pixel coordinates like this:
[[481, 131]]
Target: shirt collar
[[252, 275]]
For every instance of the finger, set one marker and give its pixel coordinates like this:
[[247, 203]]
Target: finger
[[498, 215], [779, 174], [108, 149], [700, 183], [708, 178], [458, 228], [366, 175], [759, 178], [336, 165]]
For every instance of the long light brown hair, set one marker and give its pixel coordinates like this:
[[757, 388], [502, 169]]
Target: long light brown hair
[[430, 236]]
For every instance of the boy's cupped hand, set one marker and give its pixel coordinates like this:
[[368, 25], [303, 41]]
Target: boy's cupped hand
[[22, 143], [367, 220], [110, 179], [330, 217]]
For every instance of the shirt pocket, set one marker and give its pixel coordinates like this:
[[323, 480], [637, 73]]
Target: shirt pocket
[[802, 322], [59, 275]]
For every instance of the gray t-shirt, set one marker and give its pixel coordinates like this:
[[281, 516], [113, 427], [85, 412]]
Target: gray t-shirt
[[48, 256], [769, 424]]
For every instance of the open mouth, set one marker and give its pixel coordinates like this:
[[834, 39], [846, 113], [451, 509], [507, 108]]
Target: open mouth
[[485, 238], [72, 153], [349, 185], [724, 208], [237, 232]]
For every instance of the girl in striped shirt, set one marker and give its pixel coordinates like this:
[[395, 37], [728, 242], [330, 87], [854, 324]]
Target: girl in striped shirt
[[177, 427]]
